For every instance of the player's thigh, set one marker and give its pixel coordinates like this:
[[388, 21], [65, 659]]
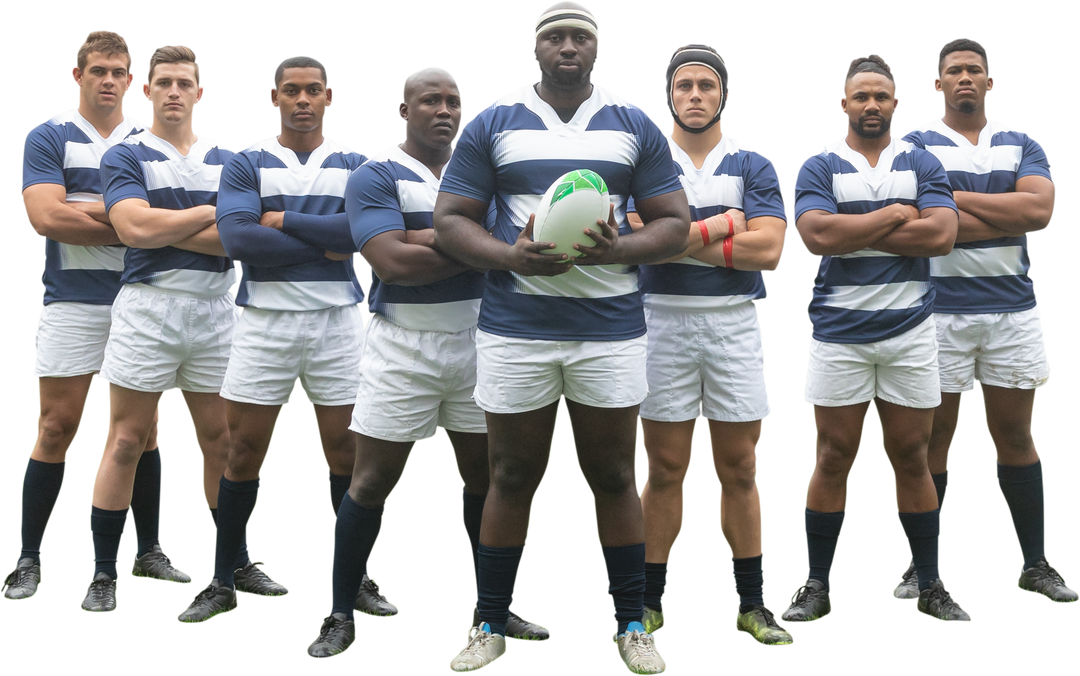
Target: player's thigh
[[605, 375], [148, 340], [840, 375], [378, 467], [1015, 353], [331, 372], [471, 453], [208, 414], [401, 385], [605, 439], [673, 366], [1008, 417], [265, 357], [839, 433], [519, 445], [959, 339], [668, 446], [515, 375], [71, 339], [132, 414], [907, 370], [734, 446], [734, 367], [212, 322]]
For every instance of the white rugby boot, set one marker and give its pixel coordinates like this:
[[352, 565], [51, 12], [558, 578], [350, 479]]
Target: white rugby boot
[[484, 647]]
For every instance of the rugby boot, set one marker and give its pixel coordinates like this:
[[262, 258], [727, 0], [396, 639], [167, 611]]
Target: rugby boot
[[936, 602], [1042, 579], [638, 651], [370, 601], [909, 585], [155, 564], [483, 649], [215, 599], [23, 581], [810, 602], [518, 628], [760, 623], [335, 636], [251, 580], [101, 596], [652, 619]]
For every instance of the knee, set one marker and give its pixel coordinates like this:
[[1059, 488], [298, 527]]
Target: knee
[[738, 474], [611, 479], [909, 459], [514, 480], [244, 460], [126, 448], [371, 488], [55, 431], [666, 471], [835, 456], [1012, 440]]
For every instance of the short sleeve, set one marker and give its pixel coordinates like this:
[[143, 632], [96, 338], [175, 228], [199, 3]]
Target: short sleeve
[[238, 190], [934, 187], [43, 157], [761, 189], [915, 138], [814, 187], [654, 173], [470, 172], [122, 175], [371, 202], [1033, 162]]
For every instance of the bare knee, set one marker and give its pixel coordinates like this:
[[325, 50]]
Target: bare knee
[[55, 433], [666, 471], [737, 473], [126, 448], [1012, 440], [515, 480], [245, 460], [909, 458], [372, 487], [835, 454], [611, 478]]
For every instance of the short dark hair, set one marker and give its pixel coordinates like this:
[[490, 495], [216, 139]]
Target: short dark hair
[[298, 62], [103, 42], [173, 54], [869, 64], [961, 45]]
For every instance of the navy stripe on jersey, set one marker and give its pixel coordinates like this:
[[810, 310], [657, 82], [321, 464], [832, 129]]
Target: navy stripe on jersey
[[282, 271], [149, 168], [869, 295], [730, 178], [67, 151], [990, 275], [516, 149], [394, 191]]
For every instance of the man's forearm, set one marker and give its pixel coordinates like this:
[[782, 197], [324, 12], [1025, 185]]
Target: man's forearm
[[1013, 212], [973, 229], [465, 240], [146, 227], [206, 241]]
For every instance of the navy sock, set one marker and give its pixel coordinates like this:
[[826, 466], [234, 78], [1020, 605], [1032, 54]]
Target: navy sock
[[1023, 490], [655, 581], [41, 486], [354, 536], [108, 526], [497, 568], [474, 515], [339, 486], [146, 500], [922, 530], [242, 559], [822, 532], [941, 482], [748, 582], [236, 500], [626, 582]]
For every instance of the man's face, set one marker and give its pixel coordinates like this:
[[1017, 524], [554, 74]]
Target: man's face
[[302, 97], [104, 80], [566, 55], [869, 103], [433, 112], [696, 93], [964, 81], [173, 91]]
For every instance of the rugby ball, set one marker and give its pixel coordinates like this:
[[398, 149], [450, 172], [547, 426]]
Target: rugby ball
[[574, 202]]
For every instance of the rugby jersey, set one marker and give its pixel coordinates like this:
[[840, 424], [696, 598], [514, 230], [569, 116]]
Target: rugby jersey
[[517, 148], [288, 269], [730, 178], [869, 295], [990, 275], [150, 168], [395, 191], [67, 151]]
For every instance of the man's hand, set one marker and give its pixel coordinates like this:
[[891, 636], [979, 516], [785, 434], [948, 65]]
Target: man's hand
[[525, 257], [606, 249], [425, 237], [738, 219], [273, 219], [332, 255], [906, 212], [95, 210]]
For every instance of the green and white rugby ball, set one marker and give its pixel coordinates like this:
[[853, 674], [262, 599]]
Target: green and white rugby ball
[[574, 202]]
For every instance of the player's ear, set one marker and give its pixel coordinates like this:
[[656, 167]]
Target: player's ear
[[130, 77], [77, 74], [329, 95], [199, 96], [843, 104], [937, 85], [403, 111], [146, 90], [273, 97], [989, 83]]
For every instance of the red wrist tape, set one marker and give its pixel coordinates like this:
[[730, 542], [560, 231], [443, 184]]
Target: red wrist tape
[[729, 247], [730, 224], [704, 232]]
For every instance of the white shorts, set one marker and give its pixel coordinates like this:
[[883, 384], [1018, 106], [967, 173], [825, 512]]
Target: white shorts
[[515, 375], [161, 340], [412, 382], [272, 348], [901, 370], [1000, 349], [705, 362], [71, 339]]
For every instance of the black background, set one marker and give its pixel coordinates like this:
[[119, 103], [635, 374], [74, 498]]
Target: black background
[[786, 79]]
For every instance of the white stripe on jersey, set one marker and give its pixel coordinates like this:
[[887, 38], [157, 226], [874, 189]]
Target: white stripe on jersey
[[972, 161], [414, 196], [83, 155], [860, 187], [865, 253], [519, 145], [84, 197], [874, 297], [74, 257], [988, 262], [452, 317], [594, 281], [695, 303], [329, 181], [200, 283], [299, 295], [725, 189], [161, 174]]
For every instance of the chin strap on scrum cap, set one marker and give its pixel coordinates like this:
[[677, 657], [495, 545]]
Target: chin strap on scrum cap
[[697, 55]]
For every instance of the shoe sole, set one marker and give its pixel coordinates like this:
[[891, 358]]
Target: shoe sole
[[529, 637], [1036, 591], [155, 577], [98, 610], [785, 618], [375, 614], [764, 641], [204, 619], [258, 593], [19, 598]]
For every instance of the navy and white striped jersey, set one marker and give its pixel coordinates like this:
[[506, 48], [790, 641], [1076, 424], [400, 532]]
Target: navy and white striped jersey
[[67, 151], [869, 295], [395, 191], [288, 269], [149, 168], [730, 178], [517, 148], [990, 275]]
